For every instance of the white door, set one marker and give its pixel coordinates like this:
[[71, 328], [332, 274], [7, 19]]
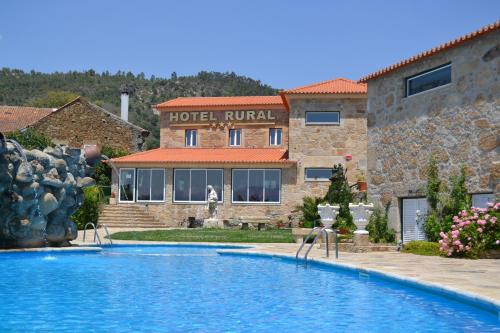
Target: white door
[[414, 212], [481, 200]]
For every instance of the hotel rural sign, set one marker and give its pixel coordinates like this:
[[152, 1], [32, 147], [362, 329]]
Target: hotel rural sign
[[226, 116]]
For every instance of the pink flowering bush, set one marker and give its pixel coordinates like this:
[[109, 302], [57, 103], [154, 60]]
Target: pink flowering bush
[[472, 232]]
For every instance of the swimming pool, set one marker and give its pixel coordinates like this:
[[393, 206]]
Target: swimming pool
[[194, 289]]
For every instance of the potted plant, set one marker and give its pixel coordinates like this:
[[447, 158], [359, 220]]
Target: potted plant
[[362, 184], [112, 198]]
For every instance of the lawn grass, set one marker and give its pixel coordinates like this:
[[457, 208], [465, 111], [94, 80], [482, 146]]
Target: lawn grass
[[422, 248], [209, 235]]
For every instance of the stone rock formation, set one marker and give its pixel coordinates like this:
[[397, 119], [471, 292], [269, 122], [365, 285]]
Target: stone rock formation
[[39, 191]]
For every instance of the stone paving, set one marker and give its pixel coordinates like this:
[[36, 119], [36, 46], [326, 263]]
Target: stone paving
[[477, 277]]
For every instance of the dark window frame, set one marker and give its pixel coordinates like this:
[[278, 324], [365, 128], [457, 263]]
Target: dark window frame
[[322, 123], [408, 79]]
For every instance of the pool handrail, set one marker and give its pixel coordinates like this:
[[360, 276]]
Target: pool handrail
[[96, 235], [320, 231]]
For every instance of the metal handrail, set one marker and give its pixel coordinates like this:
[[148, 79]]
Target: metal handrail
[[304, 241], [312, 244], [96, 235], [107, 234], [320, 231]]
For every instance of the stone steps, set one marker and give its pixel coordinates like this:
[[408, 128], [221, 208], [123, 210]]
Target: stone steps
[[127, 216]]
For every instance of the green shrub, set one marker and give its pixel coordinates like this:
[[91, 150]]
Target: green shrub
[[89, 211], [339, 193], [102, 173], [378, 227], [422, 248], [444, 203], [31, 139], [309, 212], [472, 233]]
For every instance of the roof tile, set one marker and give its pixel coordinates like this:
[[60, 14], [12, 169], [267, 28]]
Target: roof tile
[[14, 118], [208, 155], [448, 45], [221, 103], [335, 86]]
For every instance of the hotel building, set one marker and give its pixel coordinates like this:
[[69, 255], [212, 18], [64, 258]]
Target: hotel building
[[262, 154]]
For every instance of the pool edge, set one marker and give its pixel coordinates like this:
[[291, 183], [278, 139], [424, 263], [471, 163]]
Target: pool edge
[[476, 300]]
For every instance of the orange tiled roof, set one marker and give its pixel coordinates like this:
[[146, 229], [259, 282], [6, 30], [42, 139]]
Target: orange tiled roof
[[14, 118], [453, 43], [207, 156], [336, 86], [222, 103]]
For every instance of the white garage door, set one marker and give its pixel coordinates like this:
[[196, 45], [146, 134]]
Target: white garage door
[[414, 211]]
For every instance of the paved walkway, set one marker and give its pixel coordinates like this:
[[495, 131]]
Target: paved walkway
[[480, 277]]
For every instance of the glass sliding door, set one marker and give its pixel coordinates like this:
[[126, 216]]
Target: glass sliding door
[[190, 185], [256, 186], [150, 185], [158, 185], [126, 185], [143, 184]]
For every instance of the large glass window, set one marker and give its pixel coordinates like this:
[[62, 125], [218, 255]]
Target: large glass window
[[191, 138], [318, 174], [190, 185], [322, 118], [240, 185], [428, 80], [126, 185], [150, 184], [235, 137], [275, 136], [256, 185]]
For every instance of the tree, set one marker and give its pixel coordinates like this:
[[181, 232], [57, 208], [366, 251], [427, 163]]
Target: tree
[[339, 193], [31, 139], [53, 99]]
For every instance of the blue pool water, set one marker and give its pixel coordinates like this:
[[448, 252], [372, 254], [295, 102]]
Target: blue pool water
[[193, 289]]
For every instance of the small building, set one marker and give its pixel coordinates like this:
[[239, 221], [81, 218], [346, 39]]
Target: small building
[[76, 124], [442, 102], [262, 154]]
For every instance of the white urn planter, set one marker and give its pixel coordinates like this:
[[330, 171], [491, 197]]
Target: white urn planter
[[328, 214], [361, 215]]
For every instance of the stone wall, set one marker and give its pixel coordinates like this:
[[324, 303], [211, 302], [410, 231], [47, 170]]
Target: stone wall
[[80, 122], [458, 123], [323, 146], [254, 134]]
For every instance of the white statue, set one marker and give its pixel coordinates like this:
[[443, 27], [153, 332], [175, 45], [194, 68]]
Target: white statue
[[212, 202]]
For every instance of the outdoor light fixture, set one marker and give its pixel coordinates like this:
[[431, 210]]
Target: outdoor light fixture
[[348, 157]]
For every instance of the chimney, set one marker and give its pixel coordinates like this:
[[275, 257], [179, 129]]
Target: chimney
[[124, 104]]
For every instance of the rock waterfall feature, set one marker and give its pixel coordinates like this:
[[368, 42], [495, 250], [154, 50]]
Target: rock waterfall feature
[[39, 191]]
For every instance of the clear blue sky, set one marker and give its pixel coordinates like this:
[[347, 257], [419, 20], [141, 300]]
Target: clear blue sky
[[282, 43]]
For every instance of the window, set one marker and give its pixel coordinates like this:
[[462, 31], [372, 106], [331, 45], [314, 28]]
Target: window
[[322, 118], [275, 135], [150, 184], [191, 139], [256, 185], [428, 80], [126, 185], [318, 174], [235, 137], [190, 185]]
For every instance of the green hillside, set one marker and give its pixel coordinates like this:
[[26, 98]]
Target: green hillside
[[44, 89]]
